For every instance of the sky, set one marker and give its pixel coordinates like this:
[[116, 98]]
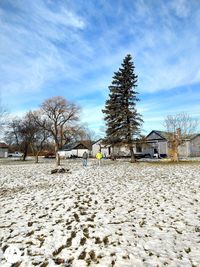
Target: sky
[[72, 49]]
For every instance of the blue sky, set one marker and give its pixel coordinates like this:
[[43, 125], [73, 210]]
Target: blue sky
[[72, 48]]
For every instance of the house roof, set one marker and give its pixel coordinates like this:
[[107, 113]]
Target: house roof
[[191, 136], [3, 145], [97, 141], [101, 142], [86, 144], [162, 134], [165, 135]]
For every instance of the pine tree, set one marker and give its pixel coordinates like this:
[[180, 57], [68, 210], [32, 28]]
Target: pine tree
[[123, 122]]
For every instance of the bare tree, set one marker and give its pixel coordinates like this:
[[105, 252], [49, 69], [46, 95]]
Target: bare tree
[[24, 134], [39, 135], [87, 136], [3, 117], [11, 135], [72, 133], [57, 117], [82, 133], [179, 127], [20, 133]]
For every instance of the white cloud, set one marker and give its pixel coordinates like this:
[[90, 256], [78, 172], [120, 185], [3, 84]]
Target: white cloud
[[61, 17], [181, 8], [169, 61], [30, 58], [44, 44], [92, 114]]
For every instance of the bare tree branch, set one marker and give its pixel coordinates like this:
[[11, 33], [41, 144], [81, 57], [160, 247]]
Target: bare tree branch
[[57, 116], [3, 117], [179, 127]]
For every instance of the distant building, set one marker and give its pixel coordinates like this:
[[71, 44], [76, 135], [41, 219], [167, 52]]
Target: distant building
[[155, 144], [3, 150], [158, 143], [107, 149], [100, 146], [75, 149]]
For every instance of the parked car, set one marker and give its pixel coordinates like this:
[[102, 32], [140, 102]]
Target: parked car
[[16, 154]]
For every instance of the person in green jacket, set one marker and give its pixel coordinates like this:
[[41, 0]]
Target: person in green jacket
[[99, 156]]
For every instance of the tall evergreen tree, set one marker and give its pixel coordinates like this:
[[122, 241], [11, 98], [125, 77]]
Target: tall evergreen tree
[[123, 122]]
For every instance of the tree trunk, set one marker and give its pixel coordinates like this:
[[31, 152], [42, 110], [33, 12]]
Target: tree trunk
[[132, 154], [175, 156], [112, 155], [35, 152], [36, 157], [61, 136], [57, 155], [25, 152], [57, 159]]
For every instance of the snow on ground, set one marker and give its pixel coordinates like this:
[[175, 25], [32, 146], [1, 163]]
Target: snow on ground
[[119, 214]]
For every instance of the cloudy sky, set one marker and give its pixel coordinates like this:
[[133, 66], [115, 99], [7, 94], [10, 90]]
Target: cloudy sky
[[72, 48]]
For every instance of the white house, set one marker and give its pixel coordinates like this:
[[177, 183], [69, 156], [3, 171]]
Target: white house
[[75, 149], [158, 142], [117, 150], [191, 146], [3, 150]]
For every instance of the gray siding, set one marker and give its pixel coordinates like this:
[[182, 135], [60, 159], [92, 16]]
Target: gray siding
[[195, 147], [184, 149], [163, 148], [154, 136]]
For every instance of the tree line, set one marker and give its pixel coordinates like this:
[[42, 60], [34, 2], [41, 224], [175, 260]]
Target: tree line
[[54, 124], [57, 120]]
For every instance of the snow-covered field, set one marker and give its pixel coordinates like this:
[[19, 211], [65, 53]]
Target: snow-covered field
[[119, 214]]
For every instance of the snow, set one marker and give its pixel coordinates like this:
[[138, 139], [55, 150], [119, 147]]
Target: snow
[[116, 214]]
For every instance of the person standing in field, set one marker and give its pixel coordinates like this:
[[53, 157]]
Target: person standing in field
[[85, 159], [99, 156]]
